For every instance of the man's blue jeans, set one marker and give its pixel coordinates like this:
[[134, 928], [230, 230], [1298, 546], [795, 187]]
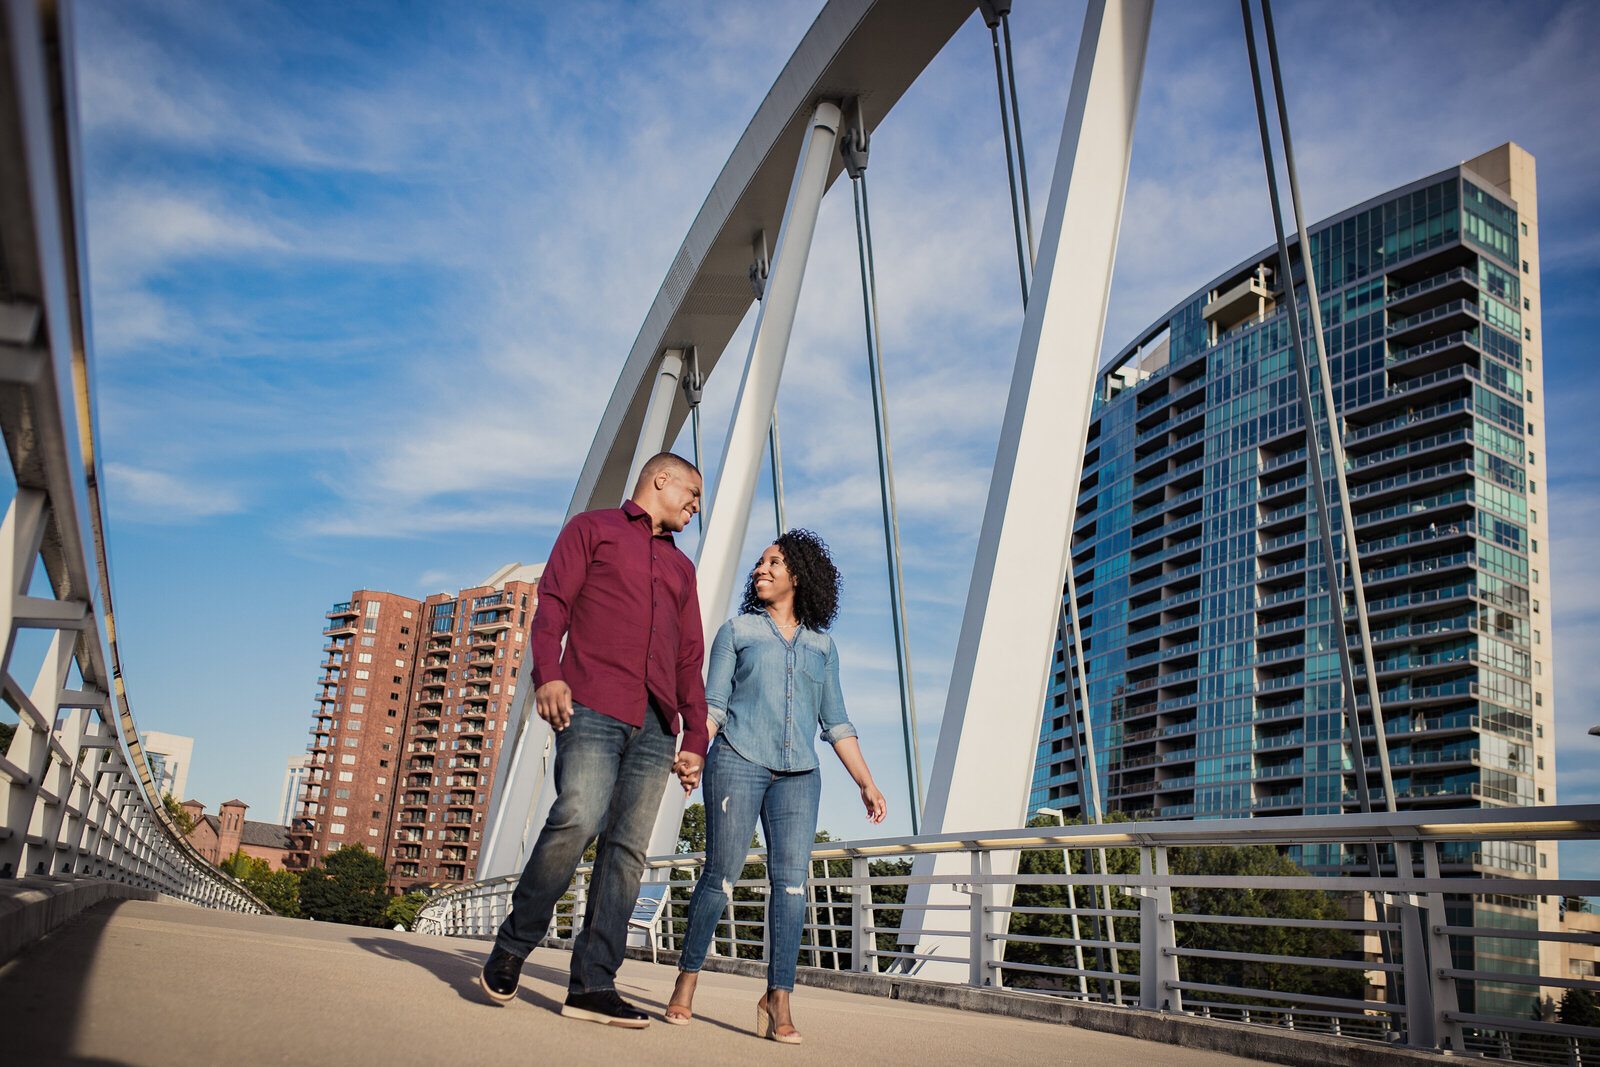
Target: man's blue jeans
[[737, 792], [610, 778]]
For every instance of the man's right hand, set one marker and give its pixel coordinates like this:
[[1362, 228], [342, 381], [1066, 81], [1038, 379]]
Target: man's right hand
[[554, 701]]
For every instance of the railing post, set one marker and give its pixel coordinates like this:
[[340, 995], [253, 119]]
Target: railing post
[[1446, 1032], [983, 951], [1421, 1025], [1158, 942], [861, 916]]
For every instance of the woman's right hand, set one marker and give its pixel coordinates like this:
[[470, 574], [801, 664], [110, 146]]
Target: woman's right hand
[[877, 807]]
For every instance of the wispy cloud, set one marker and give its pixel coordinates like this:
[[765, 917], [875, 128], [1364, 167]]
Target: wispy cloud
[[159, 497]]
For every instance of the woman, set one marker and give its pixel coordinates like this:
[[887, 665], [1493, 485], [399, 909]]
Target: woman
[[772, 681]]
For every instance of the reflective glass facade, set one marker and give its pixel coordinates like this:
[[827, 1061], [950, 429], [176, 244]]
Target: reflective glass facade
[[1213, 675]]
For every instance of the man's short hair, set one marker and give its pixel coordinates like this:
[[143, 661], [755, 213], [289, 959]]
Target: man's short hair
[[664, 461]]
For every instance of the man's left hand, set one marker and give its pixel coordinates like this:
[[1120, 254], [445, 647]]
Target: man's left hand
[[687, 767]]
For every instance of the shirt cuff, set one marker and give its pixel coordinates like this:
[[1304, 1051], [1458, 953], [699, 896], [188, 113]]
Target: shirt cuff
[[834, 734], [717, 715]]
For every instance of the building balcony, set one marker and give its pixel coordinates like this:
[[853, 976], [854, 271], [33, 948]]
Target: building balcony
[[340, 626], [1273, 490], [1372, 492], [1375, 432], [1439, 509], [1461, 591], [1460, 283], [1418, 568], [495, 625], [1457, 441], [1251, 298]]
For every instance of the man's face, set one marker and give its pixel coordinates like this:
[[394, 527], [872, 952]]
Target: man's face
[[680, 499]]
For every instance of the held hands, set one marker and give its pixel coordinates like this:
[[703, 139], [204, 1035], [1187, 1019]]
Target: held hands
[[554, 701], [877, 807], [687, 767]]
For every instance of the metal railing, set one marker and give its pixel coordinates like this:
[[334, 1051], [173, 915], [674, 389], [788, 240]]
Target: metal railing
[[1156, 947], [80, 800]]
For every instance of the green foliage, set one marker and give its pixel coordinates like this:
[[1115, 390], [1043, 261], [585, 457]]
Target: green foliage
[[403, 910], [1579, 1008], [347, 887], [1260, 861], [185, 822], [6, 733], [278, 890]]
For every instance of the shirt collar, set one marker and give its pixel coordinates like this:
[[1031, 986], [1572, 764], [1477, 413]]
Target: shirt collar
[[634, 512]]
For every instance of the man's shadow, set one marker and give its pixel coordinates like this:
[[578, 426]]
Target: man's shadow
[[459, 968]]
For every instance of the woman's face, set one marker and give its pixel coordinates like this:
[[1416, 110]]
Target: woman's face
[[774, 583]]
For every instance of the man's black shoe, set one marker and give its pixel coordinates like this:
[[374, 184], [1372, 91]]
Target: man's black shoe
[[604, 1006], [500, 974]]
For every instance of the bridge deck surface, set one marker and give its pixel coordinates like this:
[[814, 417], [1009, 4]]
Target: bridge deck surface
[[163, 984]]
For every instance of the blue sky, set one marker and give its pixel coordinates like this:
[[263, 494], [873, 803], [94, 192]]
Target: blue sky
[[363, 276]]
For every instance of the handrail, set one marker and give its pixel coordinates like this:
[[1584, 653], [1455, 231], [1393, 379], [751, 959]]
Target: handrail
[[79, 794], [993, 939]]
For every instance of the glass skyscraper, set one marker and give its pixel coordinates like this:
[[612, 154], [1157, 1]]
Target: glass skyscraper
[[1213, 678]]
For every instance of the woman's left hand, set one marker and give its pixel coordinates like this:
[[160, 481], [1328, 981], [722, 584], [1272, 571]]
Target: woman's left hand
[[877, 807]]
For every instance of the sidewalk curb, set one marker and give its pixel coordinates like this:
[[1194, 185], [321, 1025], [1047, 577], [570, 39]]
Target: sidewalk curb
[[33, 906], [1269, 1044]]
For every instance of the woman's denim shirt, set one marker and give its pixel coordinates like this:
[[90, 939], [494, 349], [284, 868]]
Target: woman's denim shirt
[[769, 696]]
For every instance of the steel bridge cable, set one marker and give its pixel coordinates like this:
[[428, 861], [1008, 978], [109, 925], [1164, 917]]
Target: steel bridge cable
[[1004, 9], [776, 454], [694, 385], [854, 147], [1335, 434], [1314, 459], [991, 17], [1313, 439]]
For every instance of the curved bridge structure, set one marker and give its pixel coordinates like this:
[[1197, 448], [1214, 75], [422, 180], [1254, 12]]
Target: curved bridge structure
[[82, 816]]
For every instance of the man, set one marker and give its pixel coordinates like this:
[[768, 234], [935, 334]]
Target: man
[[623, 595]]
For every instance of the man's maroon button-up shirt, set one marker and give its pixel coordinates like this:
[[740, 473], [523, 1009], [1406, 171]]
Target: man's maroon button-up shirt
[[625, 600]]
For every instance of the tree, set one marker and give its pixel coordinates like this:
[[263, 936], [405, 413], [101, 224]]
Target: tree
[[1579, 1008], [278, 890], [6, 732], [185, 822], [1259, 861], [347, 887], [403, 910]]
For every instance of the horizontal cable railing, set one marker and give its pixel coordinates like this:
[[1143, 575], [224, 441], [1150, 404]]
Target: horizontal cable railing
[[1193, 923]]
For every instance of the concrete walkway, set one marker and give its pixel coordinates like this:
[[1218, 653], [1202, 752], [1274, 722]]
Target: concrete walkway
[[170, 985]]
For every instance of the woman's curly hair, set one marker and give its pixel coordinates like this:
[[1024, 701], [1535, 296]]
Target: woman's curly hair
[[816, 580]]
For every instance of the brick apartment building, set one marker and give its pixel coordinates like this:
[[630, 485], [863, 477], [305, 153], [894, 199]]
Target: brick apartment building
[[358, 726], [412, 699]]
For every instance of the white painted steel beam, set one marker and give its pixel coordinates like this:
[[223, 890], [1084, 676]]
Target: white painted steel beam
[[719, 565], [982, 770]]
